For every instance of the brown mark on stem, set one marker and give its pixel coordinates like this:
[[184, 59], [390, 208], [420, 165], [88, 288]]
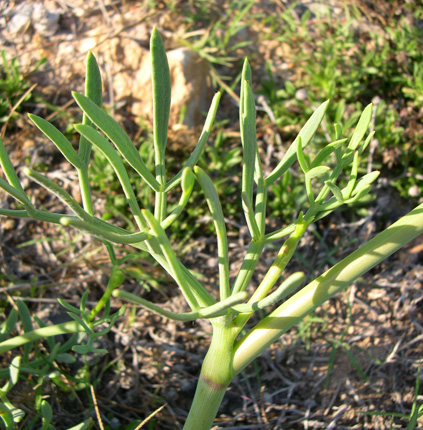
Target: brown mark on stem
[[212, 384]]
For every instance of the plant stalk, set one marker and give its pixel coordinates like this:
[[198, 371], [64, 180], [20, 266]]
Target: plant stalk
[[206, 403], [216, 375], [40, 333]]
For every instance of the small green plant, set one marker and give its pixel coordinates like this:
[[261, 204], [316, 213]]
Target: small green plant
[[416, 409], [331, 179], [15, 87], [356, 64], [218, 43]]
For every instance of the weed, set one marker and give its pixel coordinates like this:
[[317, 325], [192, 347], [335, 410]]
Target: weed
[[15, 88]]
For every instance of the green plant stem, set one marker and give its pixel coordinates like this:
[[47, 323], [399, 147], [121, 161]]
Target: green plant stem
[[217, 310], [160, 202], [248, 266], [325, 286], [206, 403], [216, 375], [275, 271], [40, 333], [116, 279], [85, 191]]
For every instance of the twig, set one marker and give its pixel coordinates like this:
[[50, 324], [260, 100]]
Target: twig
[[225, 86], [97, 411], [150, 416], [3, 129]]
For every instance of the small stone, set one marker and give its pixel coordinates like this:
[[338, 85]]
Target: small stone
[[413, 191], [21, 18], [189, 82], [301, 95], [45, 22], [9, 224]]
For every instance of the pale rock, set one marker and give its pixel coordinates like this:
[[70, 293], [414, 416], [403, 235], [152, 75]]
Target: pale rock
[[301, 94], [45, 22], [131, 65], [413, 191], [21, 18]]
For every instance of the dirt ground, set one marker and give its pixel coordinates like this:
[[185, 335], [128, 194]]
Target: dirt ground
[[358, 353]]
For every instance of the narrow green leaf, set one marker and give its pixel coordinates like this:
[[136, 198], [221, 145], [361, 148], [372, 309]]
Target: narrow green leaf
[[25, 316], [353, 177], [83, 301], [364, 146], [222, 307], [93, 84], [88, 349], [248, 138], [59, 192], [338, 131], [117, 135], [346, 159], [335, 191], [326, 151], [93, 90], [279, 234], [65, 358], [10, 173], [215, 207], [246, 75], [14, 369], [306, 134], [161, 107], [9, 325], [249, 216], [317, 171], [101, 233], [68, 306], [361, 128], [300, 156], [81, 322], [46, 413], [174, 269], [62, 143], [212, 311], [284, 290], [199, 149], [261, 196], [187, 185], [362, 193], [112, 156], [161, 98], [14, 192], [354, 362], [309, 191], [7, 417], [365, 181], [86, 425]]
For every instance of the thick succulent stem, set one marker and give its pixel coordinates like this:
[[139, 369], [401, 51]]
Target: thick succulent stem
[[206, 403], [216, 375]]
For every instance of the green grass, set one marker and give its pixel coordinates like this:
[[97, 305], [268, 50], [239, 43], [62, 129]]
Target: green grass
[[15, 88], [337, 58]]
